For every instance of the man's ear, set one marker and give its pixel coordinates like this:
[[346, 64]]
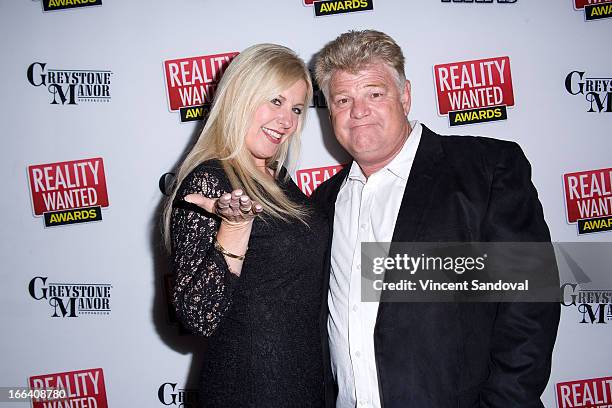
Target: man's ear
[[406, 97]]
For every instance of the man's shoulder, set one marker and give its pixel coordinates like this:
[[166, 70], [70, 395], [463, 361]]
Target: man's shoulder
[[480, 143], [472, 147]]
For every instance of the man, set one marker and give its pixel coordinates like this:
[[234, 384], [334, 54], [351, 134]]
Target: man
[[408, 184]]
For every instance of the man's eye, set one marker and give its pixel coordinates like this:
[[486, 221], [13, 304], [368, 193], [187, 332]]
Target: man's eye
[[376, 94], [297, 111], [276, 101], [341, 101]]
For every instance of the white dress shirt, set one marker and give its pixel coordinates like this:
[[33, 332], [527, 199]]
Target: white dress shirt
[[365, 211]]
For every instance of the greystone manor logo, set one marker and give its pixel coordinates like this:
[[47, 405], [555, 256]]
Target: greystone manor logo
[[72, 299], [597, 91], [70, 86], [169, 394], [587, 292], [594, 306]]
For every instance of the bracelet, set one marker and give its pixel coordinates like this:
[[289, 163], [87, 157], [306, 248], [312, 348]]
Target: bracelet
[[219, 248]]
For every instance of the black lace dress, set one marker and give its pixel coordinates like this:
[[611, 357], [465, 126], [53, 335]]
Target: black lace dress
[[264, 347]]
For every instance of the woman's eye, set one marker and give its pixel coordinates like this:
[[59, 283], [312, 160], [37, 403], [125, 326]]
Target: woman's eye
[[276, 101], [297, 111]]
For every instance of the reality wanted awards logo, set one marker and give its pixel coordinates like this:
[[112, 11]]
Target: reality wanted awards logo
[[191, 83], [51, 5], [83, 388], [588, 200], [329, 7], [596, 91], [309, 179], [69, 86], [72, 299], [474, 91], [591, 393], [170, 394], [69, 192], [594, 9], [593, 305]]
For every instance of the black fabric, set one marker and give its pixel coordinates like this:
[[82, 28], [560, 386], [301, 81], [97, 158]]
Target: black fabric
[[440, 355], [264, 346]]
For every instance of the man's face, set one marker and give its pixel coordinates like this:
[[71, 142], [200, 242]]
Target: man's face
[[368, 113]]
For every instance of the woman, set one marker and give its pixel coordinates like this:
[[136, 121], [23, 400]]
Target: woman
[[250, 276]]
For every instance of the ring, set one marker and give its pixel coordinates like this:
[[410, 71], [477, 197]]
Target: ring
[[245, 211]]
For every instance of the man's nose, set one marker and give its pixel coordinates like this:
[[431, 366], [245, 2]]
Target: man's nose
[[359, 109]]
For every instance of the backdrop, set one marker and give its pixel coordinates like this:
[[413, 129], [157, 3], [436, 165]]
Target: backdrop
[[101, 98]]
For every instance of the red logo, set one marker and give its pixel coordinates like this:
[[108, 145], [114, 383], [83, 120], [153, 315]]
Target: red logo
[[68, 192], [579, 4], [191, 82], [594, 9], [474, 91], [593, 393], [588, 199], [84, 388], [309, 179]]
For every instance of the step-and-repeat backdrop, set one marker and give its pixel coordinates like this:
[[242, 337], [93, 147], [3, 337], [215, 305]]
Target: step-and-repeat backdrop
[[101, 99]]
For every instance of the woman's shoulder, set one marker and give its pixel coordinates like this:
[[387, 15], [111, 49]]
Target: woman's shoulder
[[210, 164], [206, 178]]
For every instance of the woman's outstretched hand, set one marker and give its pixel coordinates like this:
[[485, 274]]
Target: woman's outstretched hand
[[235, 208]]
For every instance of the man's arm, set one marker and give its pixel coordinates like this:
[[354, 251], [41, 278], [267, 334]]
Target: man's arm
[[524, 333]]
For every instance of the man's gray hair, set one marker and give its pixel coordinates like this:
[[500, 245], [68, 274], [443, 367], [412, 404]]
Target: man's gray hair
[[353, 51]]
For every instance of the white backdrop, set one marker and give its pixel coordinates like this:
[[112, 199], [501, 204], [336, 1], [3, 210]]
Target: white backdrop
[[135, 343]]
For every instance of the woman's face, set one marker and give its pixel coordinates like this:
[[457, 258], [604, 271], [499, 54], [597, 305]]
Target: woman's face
[[274, 122]]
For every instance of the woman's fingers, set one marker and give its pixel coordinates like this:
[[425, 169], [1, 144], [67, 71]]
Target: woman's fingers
[[233, 207], [245, 204], [238, 207], [224, 201]]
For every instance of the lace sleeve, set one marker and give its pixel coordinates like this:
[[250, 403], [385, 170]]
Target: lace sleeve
[[204, 284]]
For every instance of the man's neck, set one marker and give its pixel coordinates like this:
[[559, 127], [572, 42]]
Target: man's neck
[[368, 169]]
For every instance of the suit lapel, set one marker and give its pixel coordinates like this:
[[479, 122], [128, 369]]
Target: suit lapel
[[419, 188], [418, 194]]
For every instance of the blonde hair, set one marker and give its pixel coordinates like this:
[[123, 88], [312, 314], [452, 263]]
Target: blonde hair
[[353, 50], [256, 76]]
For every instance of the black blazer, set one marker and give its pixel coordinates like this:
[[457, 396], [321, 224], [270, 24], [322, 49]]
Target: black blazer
[[439, 355]]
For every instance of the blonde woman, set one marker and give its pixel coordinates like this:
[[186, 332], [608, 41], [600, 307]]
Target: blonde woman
[[246, 247]]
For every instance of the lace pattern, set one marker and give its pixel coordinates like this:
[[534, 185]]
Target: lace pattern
[[202, 291]]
